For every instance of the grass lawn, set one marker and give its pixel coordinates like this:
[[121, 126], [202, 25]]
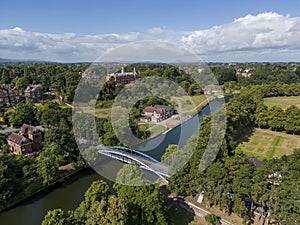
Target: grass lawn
[[156, 129], [64, 106], [283, 102], [143, 126], [266, 144], [103, 113], [191, 103]]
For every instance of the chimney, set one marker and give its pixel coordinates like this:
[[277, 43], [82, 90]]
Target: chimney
[[122, 70]]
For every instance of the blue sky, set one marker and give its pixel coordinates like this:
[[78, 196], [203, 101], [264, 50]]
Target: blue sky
[[111, 16], [133, 20]]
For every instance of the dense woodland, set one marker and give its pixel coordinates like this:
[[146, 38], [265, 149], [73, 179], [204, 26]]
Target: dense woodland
[[230, 183]]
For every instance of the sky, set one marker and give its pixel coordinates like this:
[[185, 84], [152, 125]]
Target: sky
[[71, 31]]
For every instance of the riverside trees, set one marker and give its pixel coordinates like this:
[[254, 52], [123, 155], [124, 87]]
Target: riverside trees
[[232, 183]]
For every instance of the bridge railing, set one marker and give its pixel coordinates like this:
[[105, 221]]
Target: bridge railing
[[134, 152]]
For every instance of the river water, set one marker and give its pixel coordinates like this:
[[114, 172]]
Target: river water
[[69, 194]]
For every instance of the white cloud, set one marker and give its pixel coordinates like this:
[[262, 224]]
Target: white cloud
[[17, 43], [263, 37]]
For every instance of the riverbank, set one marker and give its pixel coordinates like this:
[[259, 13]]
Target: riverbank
[[22, 197], [178, 119]]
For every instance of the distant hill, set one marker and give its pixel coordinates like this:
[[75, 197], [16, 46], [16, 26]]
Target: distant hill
[[7, 60], [33, 61]]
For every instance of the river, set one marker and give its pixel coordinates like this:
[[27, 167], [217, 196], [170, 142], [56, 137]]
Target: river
[[69, 194]]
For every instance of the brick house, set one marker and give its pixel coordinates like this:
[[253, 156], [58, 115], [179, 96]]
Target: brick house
[[26, 142], [34, 92], [123, 77], [9, 95], [18, 144]]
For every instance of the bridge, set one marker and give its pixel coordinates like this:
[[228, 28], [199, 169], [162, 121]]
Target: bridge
[[130, 156]]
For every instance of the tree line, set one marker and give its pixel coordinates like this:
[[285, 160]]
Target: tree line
[[128, 205], [232, 183]]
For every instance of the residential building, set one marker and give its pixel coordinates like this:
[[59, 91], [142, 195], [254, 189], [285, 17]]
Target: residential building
[[159, 112], [169, 110], [9, 95], [34, 92], [26, 142], [123, 77], [145, 119], [18, 144]]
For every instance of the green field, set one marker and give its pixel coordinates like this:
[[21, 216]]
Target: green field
[[156, 129], [283, 102], [266, 144], [190, 104], [103, 113]]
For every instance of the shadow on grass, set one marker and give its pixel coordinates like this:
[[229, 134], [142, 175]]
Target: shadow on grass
[[243, 135]]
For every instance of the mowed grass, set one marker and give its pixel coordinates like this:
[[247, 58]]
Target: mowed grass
[[103, 113], [156, 129], [190, 104], [283, 102], [266, 144]]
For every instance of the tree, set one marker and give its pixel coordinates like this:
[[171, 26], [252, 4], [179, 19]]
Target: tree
[[224, 74], [212, 219], [169, 151], [56, 216], [22, 83], [96, 214], [117, 211], [48, 163], [261, 115], [10, 171], [5, 78], [97, 192], [277, 118], [107, 213], [131, 174], [23, 113], [145, 203], [292, 122], [49, 114]]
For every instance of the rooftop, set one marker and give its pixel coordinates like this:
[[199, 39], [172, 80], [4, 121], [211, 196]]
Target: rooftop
[[18, 139]]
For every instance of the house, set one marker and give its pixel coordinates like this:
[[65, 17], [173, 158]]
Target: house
[[169, 110], [159, 112], [34, 92], [18, 144], [156, 114], [123, 77], [9, 95], [31, 133], [26, 142], [145, 119]]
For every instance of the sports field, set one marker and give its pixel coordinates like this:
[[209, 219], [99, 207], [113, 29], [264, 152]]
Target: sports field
[[266, 144], [283, 102]]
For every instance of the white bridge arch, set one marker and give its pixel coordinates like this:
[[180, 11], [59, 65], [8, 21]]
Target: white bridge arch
[[128, 155]]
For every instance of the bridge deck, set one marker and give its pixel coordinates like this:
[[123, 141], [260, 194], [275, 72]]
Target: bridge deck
[[156, 166]]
